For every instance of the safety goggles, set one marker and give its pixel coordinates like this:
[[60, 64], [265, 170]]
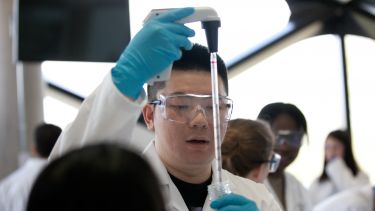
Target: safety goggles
[[289, 137], [183, 108], [274, 163]]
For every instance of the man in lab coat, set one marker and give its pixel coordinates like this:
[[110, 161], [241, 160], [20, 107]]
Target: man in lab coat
[[179, 112], [15, 189]]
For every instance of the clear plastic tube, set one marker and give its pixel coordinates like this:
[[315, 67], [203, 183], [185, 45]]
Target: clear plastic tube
[[219, 187], [216, 115]]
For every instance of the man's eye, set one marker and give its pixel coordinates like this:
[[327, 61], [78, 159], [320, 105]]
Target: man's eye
[[225, 106], [209, 108], [180, 107]]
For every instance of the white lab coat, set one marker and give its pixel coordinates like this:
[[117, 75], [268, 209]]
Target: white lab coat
[[355, 199], [15, 188], [340, 179], [108, 115], [297, 198], [240, 185]]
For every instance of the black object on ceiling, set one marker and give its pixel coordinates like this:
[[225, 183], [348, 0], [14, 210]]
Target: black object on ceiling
[[312, 18]]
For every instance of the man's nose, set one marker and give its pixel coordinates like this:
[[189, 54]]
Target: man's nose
[[199, 118]]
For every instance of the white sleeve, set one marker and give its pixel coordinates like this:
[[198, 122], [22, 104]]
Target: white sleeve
[[342, 176], [106, 115]]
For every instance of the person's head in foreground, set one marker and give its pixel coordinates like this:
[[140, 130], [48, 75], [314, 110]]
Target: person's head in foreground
[[97, 177]]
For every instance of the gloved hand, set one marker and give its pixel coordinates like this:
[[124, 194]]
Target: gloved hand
[[234, 202], [155, 47]]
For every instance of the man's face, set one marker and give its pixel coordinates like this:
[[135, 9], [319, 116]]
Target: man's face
[[190, 144]]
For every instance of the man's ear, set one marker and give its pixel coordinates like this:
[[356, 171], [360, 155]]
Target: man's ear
[[148, 115]]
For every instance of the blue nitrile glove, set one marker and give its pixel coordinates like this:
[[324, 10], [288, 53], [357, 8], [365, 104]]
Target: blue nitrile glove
[[156, 46], [234, 202]]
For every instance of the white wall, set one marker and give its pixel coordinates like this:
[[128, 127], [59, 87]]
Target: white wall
[[9, 144], [21, 96]]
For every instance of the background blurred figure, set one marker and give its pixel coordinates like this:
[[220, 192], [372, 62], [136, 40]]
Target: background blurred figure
[[15, 188], [356, 199], [340, 172], [289, 126], [247, 149], [97, 177]]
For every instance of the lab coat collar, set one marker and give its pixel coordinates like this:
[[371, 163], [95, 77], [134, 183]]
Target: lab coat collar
[[152, 156], [171, 194]]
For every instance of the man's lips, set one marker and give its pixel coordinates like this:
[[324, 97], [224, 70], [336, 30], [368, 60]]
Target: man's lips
[[198, 141]]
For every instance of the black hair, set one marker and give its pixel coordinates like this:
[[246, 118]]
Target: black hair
[[97, 177], [196, 59], [271, 111], [344, 138], [45, 137]]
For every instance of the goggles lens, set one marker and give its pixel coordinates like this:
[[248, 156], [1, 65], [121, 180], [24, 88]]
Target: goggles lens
[[291, 138], [274, 162], [183, 108]]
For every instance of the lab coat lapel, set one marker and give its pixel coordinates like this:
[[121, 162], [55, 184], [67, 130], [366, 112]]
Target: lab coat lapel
[[172, 196]]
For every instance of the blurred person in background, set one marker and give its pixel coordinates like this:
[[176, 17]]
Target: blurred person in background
[[289, 127], [15, 188], [341, 171]]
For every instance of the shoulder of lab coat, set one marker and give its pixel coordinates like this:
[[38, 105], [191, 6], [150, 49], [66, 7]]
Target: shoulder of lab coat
[[104, 115], [342, 177], [297, 198], [15, 188], [174, 201], [252, 190], [355, 199]]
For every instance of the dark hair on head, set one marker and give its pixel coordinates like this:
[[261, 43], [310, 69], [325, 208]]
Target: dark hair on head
[[247, 144], [97, 177], [45, 137], [344, 138], [271, 111], [196, 59]]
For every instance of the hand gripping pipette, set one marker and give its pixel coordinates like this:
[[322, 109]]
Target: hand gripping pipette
[[210, 23]]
